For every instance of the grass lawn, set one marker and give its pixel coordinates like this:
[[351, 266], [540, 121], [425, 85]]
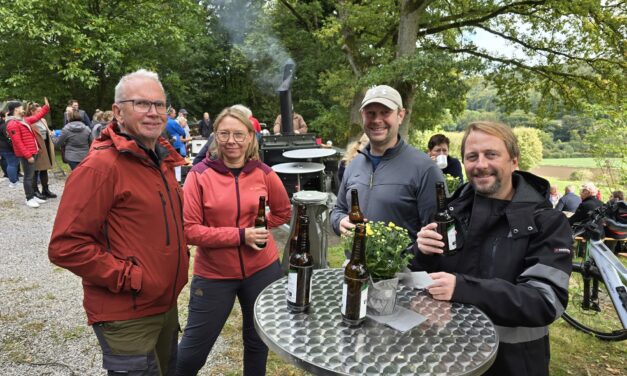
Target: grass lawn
[[572, 353], [572, 162]]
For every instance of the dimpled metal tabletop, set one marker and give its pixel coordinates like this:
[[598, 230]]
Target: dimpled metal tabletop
[[456, 339]]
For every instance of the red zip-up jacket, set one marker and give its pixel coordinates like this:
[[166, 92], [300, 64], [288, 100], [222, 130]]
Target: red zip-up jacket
[[218, 208], [119, 227], [23, 136]]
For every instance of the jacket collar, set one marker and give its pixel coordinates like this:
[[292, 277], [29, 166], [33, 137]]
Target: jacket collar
[[531, 195], [111, 136], [388, 153]]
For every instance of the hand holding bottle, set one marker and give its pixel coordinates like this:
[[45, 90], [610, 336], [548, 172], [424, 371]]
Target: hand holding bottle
[[254, 236], [429, 241]]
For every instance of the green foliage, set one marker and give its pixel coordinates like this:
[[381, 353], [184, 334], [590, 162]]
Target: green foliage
[[385, 249], [582, 175], [452, 183], [530, 147], [607, 141]]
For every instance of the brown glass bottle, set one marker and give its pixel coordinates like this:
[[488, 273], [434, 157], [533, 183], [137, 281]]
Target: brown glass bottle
[[260, 219], [446, 224], [355, 286], [300, 272], [355, 215], [300, 211]]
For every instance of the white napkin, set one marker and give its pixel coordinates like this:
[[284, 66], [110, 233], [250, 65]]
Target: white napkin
[[402, 319], [415, 280]]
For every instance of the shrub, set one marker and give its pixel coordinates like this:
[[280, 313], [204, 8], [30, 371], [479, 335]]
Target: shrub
[[582, 175]]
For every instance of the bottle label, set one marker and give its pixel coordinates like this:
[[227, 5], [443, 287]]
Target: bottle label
[[363, 298], [452, 236], [292, 277], [299, 284]]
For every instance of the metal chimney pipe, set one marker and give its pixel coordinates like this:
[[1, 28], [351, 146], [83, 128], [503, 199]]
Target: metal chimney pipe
[[285, 97]]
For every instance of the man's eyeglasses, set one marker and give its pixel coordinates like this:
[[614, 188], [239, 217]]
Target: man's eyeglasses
[[143, 105], [223, 136]]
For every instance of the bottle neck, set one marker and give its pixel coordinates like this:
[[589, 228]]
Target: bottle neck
[[358, 253], [441, 198], [303, 238]]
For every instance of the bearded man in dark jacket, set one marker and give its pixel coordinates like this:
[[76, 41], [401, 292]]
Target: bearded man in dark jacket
[[513, 259]]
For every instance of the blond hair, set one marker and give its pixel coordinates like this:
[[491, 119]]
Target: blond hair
[[353, 148], [236, 113], [499, 130]]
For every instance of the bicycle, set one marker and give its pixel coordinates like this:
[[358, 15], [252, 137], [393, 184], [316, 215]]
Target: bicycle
[[598, 296]]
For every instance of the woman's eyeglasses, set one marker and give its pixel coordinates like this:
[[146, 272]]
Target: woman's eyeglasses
[[223, 136]]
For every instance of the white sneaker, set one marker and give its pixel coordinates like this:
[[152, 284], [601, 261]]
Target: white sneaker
[[32, 203], [14, 185], [39, 201]]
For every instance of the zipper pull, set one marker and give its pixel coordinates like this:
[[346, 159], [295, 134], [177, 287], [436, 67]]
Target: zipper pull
[[371, 179]]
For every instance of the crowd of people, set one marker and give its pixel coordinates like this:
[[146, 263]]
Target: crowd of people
[[514, 244]]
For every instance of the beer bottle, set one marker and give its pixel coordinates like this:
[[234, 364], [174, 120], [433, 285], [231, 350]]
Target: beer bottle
[[355, 215], [355, 286], [300, 271], [446, 224], [300, 211], [260, 219]]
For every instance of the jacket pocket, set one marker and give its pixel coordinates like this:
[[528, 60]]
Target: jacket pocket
[[165, 218]]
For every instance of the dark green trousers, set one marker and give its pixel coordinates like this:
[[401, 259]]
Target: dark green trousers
[[140, 347]]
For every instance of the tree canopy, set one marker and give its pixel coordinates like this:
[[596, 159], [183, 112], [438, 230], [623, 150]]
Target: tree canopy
[[211, 54]]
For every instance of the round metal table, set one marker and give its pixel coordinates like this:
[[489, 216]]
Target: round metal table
[[298, 168], [456, 339], [309, 153]]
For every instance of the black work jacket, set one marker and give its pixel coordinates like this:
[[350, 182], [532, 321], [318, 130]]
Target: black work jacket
[[513, 264]]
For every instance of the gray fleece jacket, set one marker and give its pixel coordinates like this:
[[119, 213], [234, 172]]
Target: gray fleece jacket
[[400, 190]]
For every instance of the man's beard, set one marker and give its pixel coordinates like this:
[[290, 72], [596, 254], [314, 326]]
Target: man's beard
[[487, 190]]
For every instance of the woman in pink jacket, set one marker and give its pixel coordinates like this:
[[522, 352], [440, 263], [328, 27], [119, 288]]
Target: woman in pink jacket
[[22, 135], [221, 201]]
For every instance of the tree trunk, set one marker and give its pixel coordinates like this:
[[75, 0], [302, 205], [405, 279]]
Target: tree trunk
[[406, 46]]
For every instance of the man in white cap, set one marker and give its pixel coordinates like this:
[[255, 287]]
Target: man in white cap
[[395, 182], [589, 202]]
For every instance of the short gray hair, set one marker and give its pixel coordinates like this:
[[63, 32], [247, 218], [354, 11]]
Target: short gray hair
[[141, 73]]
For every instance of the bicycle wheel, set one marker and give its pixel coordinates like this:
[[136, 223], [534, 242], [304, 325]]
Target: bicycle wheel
[[599, 317]]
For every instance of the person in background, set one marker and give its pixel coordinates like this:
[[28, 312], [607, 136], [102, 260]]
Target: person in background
[[205, 126], [300, 127], [589, 202], [120, 228], [439, 145], [221, 202], [73, 104], [554, 196], [10, 162], [570, 201], [188, 137], [352, 150], [23, 138], [395, 182], [513, 257], [96, 119], [617, 196], [105, 119], [45, 160], [253, 120], [74, 140]]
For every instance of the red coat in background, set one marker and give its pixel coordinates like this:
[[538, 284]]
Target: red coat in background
[[23, 135]]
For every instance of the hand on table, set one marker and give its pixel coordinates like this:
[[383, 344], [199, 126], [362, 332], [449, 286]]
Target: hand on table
[[443, 286]]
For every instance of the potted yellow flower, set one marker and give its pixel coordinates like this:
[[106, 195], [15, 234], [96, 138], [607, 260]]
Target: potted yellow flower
[[385, 256]]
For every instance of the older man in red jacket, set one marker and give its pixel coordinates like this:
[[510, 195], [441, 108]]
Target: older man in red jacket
[[25, 147], [120, 228]]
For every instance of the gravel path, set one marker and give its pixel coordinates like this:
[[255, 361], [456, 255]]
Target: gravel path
[[43, 327]]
